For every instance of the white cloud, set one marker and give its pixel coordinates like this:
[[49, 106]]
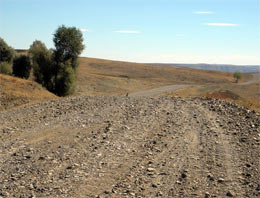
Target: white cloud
[[128, 31], [203, 12], [221, 24], [84, 30]]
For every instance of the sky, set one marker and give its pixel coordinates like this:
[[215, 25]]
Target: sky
[[161, 31]]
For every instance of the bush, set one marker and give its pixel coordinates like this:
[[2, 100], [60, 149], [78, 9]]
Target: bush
[[6, 68], [22, 66], [7, 53], [237, 76], [65, 82], [42, 64]]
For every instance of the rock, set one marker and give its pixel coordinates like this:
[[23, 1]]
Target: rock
[[221, 180], [159, 194], [207, 195], [229, 194], [150, 169], [154, 185]]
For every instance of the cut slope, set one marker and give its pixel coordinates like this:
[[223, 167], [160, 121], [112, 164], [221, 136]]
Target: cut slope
[[16, 91]]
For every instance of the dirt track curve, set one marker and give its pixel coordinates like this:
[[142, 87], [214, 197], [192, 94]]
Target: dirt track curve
[[130, 147], [158, 91], [256, 79]]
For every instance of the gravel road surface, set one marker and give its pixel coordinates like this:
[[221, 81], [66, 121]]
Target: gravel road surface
[[130, 147]]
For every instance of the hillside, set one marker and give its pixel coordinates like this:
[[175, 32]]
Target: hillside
[[16, 91], [220, 67], [129, 147], [105, 77]]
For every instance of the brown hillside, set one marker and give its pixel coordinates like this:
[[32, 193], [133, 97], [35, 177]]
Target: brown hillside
[[105, 77], [16, 91]]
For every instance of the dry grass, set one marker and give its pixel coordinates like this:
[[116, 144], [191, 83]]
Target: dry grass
[[243, 95], [16, 91], [105, 77]]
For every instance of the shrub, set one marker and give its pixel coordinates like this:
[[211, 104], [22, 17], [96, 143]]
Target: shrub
[[42, 64], [6, 68], [22, 66], [65, 82], [6, 52], [237, 76]]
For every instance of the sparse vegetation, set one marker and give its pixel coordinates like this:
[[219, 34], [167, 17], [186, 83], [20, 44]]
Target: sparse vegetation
[[22, 66], [237, 76]]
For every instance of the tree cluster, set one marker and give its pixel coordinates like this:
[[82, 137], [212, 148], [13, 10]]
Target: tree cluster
[[55, 68]]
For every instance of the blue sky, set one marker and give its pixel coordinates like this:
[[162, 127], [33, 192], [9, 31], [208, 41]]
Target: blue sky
[[167, 31]]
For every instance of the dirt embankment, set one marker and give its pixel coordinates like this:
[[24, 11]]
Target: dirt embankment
[[130, 147]]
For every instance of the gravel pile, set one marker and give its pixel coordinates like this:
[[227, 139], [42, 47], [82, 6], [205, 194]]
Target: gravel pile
[[130, 147]]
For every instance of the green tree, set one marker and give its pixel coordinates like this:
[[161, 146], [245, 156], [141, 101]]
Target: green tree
[[68, 42], [22, 66], [6, 57], [65, 83], [6, 52], [42, 63], [237, 76], [56, 69]]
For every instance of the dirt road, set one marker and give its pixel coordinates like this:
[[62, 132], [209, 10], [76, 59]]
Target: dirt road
[[158, 91], [256, 79], [130, 147], [171, 88]]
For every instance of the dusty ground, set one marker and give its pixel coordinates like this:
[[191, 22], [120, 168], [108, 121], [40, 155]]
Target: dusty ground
[[130, 147]]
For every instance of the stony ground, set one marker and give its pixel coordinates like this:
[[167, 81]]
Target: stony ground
[[130, 147]]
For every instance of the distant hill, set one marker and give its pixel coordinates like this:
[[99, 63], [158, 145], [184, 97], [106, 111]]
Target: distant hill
[[218, 67]]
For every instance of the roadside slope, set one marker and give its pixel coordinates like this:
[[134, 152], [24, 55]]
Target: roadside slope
[[130, 147], [16, 91]]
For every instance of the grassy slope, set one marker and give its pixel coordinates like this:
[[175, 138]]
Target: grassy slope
[[104, 77], [16, 91]]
